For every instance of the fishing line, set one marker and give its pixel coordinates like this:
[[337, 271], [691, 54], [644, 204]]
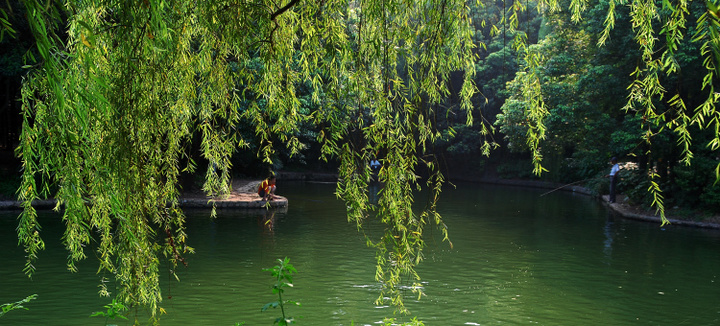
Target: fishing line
[[569, 184]]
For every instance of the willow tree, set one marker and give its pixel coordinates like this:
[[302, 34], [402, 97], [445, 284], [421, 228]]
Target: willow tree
[[120, 91]]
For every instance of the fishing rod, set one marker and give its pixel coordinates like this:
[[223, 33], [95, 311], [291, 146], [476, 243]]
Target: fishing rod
[[569, 184]]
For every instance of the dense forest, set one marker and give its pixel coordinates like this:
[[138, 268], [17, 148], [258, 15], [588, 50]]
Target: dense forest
[[118, 103]]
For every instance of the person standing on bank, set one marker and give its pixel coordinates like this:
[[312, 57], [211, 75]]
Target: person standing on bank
[[614, 172]]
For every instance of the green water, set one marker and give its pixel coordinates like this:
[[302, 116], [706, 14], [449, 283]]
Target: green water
[[517, 258]]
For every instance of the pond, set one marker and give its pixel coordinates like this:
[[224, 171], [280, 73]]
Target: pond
[[517, 258]]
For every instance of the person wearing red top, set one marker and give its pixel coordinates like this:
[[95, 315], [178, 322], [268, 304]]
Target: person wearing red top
[[266, 190]]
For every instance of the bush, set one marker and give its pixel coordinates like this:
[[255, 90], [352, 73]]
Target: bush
[[634, 183]]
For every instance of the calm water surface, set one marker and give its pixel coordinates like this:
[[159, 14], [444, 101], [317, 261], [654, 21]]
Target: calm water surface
[[517, 258]]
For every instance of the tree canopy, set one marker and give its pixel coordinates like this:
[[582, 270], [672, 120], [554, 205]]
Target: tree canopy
[[670, 97]]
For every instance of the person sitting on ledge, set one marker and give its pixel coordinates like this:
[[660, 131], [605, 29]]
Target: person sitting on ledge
[[266, 190]]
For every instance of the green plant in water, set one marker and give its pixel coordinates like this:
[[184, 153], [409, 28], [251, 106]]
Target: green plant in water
[[8, 307], [114, 310], [394, 322], [283, 279]]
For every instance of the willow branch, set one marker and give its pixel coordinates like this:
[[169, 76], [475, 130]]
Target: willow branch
[[283, 9]]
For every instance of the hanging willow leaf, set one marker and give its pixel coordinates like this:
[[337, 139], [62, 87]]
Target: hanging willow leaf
[[112, 110]]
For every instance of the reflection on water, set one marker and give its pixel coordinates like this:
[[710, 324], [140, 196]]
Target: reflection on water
[[267, 221], [607, 249], [518, 258]]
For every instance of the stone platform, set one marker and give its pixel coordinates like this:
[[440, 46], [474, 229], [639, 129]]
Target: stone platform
[[243, 196], [234, 201]]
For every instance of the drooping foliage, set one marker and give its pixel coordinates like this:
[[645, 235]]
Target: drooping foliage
[[121, 88], [119, 92], [394, 119]]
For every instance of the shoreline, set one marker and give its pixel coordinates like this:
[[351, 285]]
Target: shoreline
[[243, 196], [625, 210]]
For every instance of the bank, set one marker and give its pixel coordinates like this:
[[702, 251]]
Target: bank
[[621, 206], [244, 196]]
